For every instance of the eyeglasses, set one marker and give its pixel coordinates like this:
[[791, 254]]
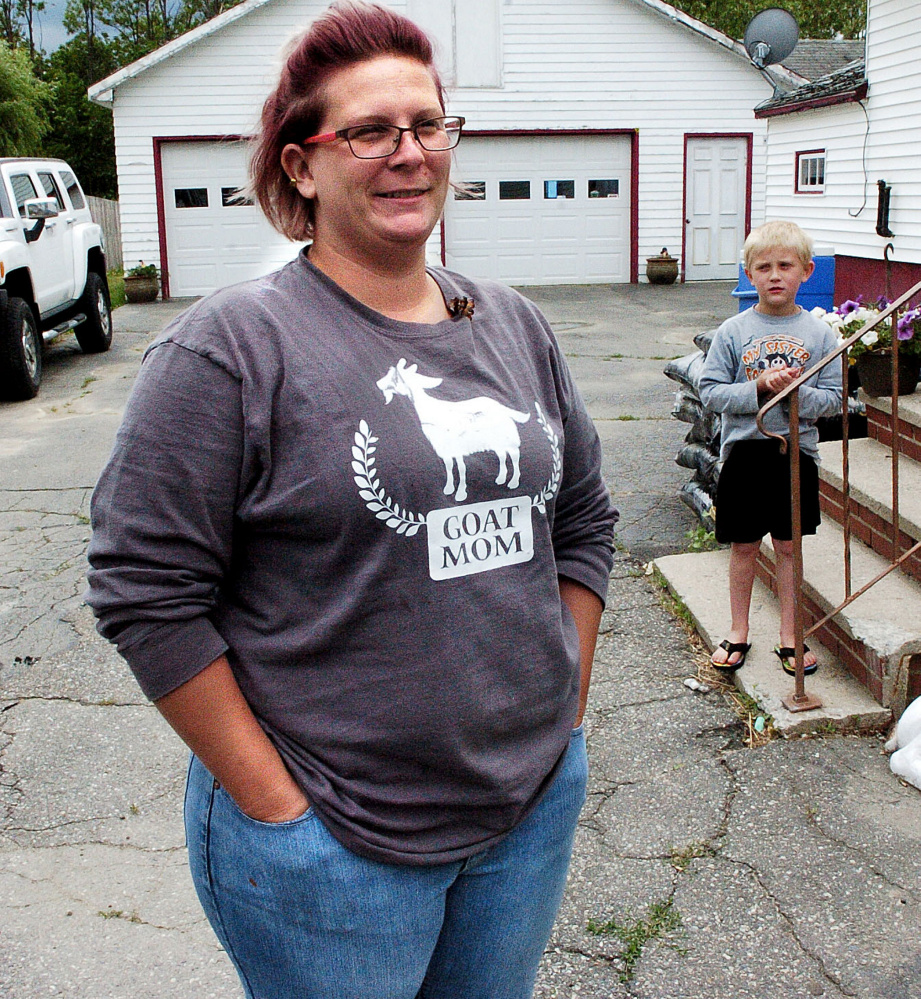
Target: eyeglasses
[[377, 141]]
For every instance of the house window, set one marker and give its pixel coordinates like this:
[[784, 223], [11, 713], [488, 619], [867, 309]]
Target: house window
[[810, 172], [514, 190]]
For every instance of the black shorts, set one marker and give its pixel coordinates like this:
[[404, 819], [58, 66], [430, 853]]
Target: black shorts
[[753, 494]]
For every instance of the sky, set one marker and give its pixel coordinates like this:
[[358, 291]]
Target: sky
[[49, 31]]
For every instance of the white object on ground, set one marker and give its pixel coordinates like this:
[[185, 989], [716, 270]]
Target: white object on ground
[[905, 745]]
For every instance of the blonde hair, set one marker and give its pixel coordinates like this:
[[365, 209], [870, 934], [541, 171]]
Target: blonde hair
[[787, 235]]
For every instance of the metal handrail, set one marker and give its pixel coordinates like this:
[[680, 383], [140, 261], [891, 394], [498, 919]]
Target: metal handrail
[[800, 700]]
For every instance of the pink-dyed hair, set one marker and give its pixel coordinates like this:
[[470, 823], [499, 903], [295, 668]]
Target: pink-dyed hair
[[347, 33]]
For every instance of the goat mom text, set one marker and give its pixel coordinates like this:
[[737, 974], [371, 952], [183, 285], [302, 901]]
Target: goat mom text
[[464, 540]]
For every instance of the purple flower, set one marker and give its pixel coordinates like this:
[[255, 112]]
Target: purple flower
[[851, 305], [882, 303], [905, 328]]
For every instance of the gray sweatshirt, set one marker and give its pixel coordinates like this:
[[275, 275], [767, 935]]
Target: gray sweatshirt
[[749, 343], [369, 518]]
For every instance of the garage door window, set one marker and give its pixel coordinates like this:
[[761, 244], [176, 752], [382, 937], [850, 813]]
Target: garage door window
[[191, 197], [514, 190], [604, 188], [559, 189], [233, 197], [470, 190]]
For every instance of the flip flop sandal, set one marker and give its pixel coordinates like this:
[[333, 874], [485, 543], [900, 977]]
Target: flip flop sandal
[[729, 648], [787, 657]]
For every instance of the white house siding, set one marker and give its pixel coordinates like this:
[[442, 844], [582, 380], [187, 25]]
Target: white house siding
[[594, 64], [213, 88], [845, 215]]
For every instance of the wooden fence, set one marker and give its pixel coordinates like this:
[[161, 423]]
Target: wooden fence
[[105, 214]]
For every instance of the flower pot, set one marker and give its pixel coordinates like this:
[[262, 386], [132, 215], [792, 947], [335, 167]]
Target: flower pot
[[662, 269], [141, 288], [875, 370]]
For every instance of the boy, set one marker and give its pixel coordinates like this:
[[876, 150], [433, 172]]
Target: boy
[[753, 357]]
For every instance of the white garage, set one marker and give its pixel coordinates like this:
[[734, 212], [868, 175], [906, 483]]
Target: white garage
[[214, 236], [587, 125], [530, 210], [541, 209]]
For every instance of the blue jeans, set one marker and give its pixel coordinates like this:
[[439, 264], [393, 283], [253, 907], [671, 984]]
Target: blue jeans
[[302, 917]]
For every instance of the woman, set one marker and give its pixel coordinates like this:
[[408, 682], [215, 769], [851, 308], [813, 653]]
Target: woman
[[353, 542]]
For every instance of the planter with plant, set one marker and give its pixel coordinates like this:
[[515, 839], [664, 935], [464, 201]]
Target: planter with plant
[[141, 283], [872, 354]]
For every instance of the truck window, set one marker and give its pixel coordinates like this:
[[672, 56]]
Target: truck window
[[23, 190], [73, 189], [49, 184], [6, 209]]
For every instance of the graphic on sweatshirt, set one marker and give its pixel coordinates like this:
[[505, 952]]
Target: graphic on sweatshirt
[[477, 537], [774, 352]]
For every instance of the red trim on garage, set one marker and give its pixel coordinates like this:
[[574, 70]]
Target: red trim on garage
[[750, 142], [635, 206], [634, 136], [158, 142]]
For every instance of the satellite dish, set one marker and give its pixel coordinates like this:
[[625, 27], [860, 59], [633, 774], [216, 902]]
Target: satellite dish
[[771, 36]]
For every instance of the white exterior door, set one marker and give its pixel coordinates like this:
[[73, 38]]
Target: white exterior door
[[541, 209], [716, 195], [214, 237]]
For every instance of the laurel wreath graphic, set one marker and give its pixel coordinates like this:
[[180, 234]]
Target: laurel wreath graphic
[[404, 521], [549, 491], [371, 491]]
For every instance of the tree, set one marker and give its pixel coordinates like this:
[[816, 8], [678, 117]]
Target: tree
[[136, 27], [817, 18], [17, 22], [23, 104], [82, 132]]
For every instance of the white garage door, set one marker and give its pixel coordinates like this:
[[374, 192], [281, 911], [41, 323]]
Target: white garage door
[[541, 209], [213, 237]]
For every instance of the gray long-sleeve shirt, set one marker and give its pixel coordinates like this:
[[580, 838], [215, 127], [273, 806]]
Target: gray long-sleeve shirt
[[749, 343], [369, 517]]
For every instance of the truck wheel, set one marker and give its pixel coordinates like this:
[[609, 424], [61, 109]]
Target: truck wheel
[[95, 335], [20, 352]]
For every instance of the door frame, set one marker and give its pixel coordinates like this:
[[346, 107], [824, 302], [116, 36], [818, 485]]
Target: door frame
[[634, 136], [750, 144]]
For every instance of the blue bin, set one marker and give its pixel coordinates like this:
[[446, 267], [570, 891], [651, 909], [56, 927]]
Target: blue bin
[[818, 290]]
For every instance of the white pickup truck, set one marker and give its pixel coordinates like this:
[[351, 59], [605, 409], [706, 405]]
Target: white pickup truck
[[52, 270]]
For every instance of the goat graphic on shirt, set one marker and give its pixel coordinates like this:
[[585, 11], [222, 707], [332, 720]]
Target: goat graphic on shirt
[[476, 537]]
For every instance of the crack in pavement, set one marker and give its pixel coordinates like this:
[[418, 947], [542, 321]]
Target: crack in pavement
[[790, 922], [83, 702]]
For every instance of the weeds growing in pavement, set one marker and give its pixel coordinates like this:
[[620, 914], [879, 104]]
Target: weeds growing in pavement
[[681, 859], [699, 539], [661, 921]]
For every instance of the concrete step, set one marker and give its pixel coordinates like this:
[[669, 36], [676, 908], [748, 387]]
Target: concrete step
[[879, 421], [701, 582], [877, 637], [870, 480]]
